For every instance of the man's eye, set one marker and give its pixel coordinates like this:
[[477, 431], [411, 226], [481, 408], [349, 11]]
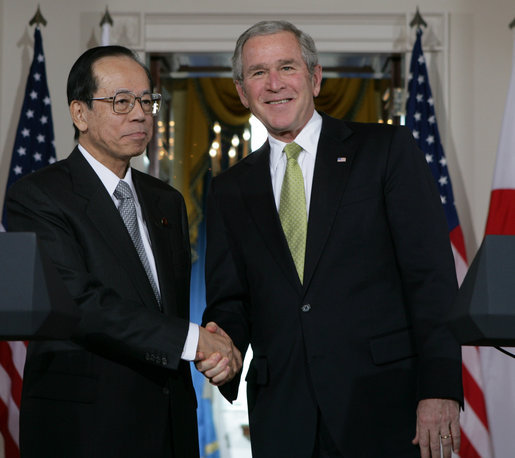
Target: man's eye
[[122, 101], [146, 102]]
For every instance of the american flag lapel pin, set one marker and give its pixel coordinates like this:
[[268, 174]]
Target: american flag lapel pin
[[341, 159]]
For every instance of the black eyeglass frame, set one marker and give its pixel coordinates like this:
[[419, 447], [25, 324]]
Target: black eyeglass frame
[[155, 98]]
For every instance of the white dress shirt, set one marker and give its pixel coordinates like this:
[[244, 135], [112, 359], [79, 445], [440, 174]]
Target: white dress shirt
[[308, 140], [110, 181]]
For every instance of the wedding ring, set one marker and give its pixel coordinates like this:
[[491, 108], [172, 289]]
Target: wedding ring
[[446, 436]]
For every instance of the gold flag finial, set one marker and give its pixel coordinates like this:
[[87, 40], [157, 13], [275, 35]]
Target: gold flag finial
[[417, 20], [38, 18]]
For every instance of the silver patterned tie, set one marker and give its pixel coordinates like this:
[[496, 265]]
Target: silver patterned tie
[[127, 210]]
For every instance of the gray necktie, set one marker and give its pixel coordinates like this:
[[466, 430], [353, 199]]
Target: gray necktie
[[127, 210]]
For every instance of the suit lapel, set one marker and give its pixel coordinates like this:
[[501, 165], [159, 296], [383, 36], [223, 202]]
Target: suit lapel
[[332, 169], [256, 187], [103, 214]]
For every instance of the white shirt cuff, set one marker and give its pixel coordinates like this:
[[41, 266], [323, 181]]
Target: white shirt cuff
[[190, 346]]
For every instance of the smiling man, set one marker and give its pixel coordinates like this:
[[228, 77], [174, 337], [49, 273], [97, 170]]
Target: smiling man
[[121, 386], [328, 253]]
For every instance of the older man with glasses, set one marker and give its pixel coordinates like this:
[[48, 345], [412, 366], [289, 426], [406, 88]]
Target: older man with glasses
[[121, 386]]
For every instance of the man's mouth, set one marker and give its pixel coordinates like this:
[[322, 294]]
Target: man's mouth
[[278, 102], [137, 134]]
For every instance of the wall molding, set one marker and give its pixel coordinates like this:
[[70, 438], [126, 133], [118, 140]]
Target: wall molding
[[388, 32], [361, 33]]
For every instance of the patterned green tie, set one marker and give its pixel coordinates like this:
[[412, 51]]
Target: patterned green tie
[[292, 207]]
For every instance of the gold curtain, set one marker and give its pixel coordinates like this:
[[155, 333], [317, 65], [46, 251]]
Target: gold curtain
[[353, 99], [207, 100], [194, 166], [221, 97]]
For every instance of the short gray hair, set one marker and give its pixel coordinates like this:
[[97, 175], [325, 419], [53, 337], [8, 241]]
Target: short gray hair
[[306, 43]]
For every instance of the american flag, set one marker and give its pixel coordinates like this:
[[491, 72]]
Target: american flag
[[421, 119], [34, 145], [33, 148]]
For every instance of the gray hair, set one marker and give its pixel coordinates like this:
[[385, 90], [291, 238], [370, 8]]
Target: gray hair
[[306, 43]]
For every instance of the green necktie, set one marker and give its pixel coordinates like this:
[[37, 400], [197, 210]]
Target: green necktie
[[292, 208]]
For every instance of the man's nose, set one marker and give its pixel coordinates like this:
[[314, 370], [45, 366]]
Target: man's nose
[[137, 110], [274, 82]]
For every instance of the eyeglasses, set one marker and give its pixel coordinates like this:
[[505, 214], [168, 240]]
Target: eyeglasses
[[123, 102]]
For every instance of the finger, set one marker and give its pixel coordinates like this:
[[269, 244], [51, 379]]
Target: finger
[[456, 436], [434, 444], [208, 363], [200, 356], [239, 358], [422, 439], [446, 440], [221, 377], [215, 370], [236, 362]]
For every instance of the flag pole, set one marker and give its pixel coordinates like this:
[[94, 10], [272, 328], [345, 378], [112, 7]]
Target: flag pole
[[33, 149], [105, 24]]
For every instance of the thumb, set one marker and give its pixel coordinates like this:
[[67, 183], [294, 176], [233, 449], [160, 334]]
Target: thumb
[[416, 438], [212, 327]]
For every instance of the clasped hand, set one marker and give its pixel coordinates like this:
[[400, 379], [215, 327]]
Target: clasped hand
[[217, 356]]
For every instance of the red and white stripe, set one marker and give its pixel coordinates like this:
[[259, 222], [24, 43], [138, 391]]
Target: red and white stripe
[[12, 359], [475, 435], [498, 368]]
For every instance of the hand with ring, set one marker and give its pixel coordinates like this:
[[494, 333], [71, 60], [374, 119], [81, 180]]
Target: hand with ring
[[438, 428]]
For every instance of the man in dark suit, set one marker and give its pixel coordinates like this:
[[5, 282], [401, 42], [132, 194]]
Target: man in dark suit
[[340, 285], [121, 386]]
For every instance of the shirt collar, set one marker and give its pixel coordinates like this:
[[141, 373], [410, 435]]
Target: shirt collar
[[107, 177], [307, 139]]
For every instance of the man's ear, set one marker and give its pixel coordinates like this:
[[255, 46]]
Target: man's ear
[[78, 114], [316, 79], [241, 93]]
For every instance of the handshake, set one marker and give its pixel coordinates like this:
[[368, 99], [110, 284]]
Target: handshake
[[217, 356]]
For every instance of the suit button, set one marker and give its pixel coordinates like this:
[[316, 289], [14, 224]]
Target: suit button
[[166, 391], [306, 308]]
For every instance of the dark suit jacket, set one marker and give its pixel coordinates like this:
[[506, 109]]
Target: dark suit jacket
[[118, 388], [362, 338]]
